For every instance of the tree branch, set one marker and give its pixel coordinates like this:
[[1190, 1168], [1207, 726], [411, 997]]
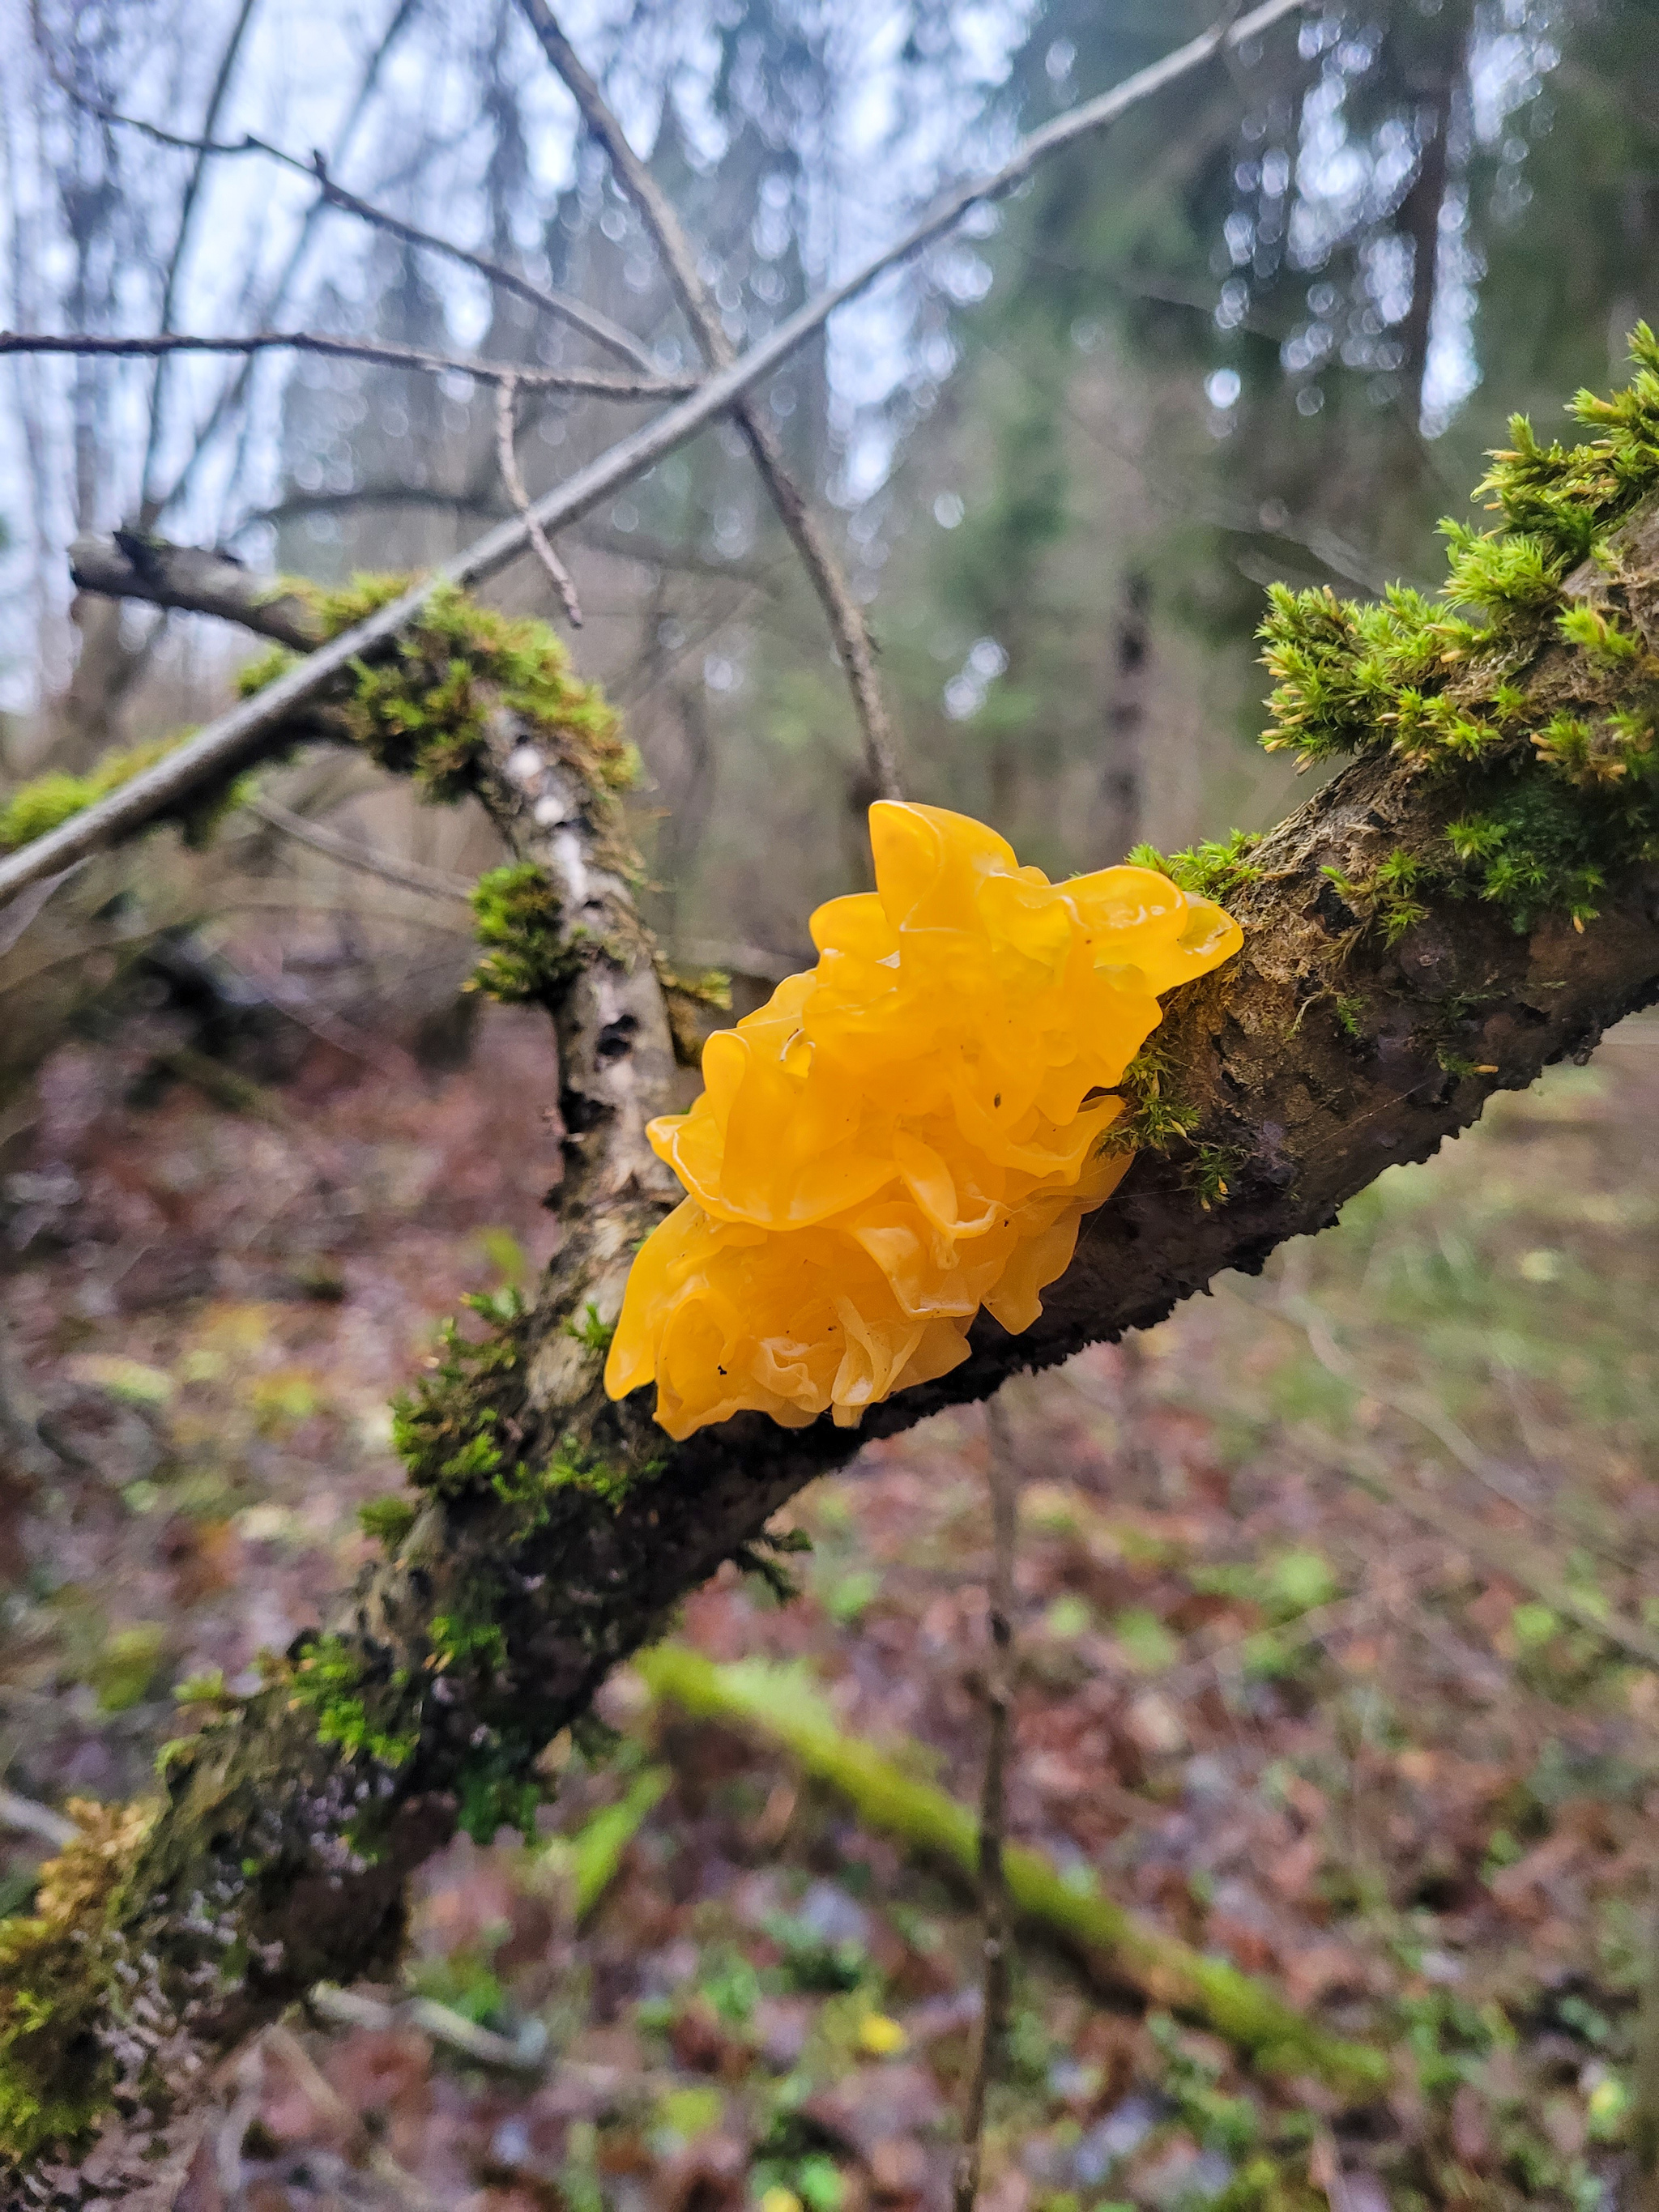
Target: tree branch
[[507, 460], [407, 875], [590, 383], [580, 317], [1002, 1478], [176, 261], [549, 1531], [848, 627], [589, 320], [236, 739]]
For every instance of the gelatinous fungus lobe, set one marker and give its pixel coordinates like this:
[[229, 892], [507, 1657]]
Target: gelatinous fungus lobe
[[907, 1133]]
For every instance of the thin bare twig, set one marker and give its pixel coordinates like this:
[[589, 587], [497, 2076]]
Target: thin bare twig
[[408, 875], [1644, 2185], [1004, 1482], [590, 383], [597, 326], [525, 2054], [506, 412], [1316, 1327], [27, 1816], [147, 508], [588, 320], [234, 738], [847, 623]]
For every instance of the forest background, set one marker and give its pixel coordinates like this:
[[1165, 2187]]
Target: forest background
[[1337, 1598]]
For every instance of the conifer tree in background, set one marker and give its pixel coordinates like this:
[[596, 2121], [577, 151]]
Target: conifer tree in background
[[1267, 331]]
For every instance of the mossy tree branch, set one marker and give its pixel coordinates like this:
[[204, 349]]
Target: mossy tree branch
[[547, 1532]]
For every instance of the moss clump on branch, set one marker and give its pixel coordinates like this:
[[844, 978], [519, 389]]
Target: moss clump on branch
[[47, 802], [388, 1520], [355, 1710], [57, 1978], [1159, 1119], [531, 1490], [450, 1430], [529, 960], [36, 807], [1216, 868], [424, 711], [1551, 784]]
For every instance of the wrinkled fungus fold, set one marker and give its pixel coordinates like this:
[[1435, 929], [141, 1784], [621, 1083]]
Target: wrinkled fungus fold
[[910, 1132]]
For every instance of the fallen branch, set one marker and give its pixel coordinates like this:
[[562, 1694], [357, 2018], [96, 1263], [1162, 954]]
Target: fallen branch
[[594, 1853], [350, 2008], [231, 741], [778, 1705]]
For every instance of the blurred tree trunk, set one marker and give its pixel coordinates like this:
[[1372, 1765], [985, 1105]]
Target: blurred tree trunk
[[1123, 785], [1439, 74]]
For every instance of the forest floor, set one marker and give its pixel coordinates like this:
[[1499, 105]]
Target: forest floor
[[1339, 1657]]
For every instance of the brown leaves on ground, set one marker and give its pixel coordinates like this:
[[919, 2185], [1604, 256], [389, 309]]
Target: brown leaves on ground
[[1257, 1698]]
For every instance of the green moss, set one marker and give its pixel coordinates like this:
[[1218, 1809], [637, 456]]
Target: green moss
[[494, 1792], [424, 711], [48, 801], [590, 1330], [448, 1430], [1216, 868], [1210, 1171], [261, 672], [353, 1709], [1549, 793], [342, 607], [207, 1688], [58, 1980], [47, 2100], [1159, 1119], [528, 959], [125, 1671], [1155, 1117], [469, 1639], [389, 1519], [531, 1490]]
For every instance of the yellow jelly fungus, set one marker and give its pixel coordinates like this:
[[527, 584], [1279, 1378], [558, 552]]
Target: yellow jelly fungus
[[881, 2037], [908, 1132]]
